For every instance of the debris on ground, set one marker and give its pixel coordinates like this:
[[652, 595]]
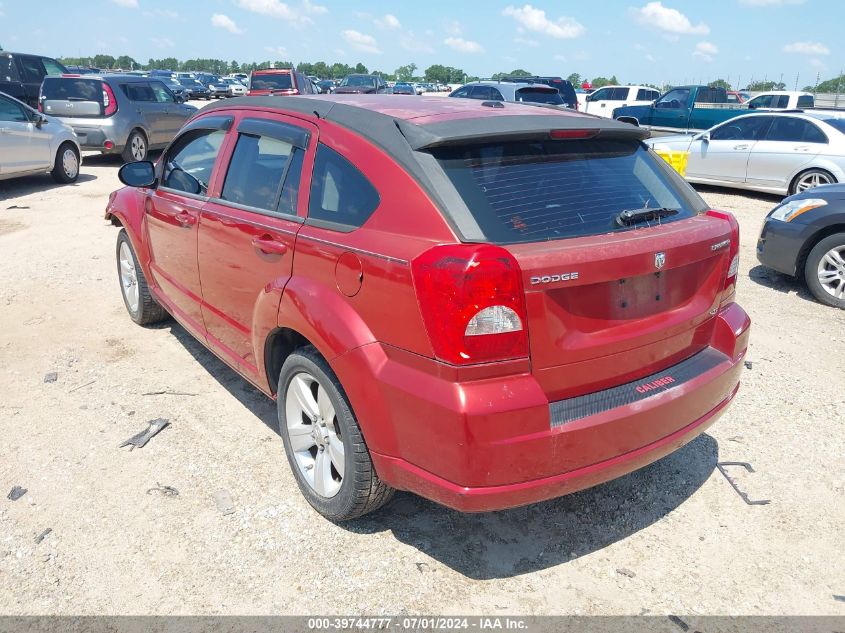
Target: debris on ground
[[16, 493], [52, 376], [43, 535], [140, 440], [839, 598], [78, 387], [683, 625], [165, 491], [167, 392], [224, 502], [749, 364], [16, 206], [745, 497], [623, 571]]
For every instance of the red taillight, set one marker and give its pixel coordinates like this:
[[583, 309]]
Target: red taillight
[[733, 254], [472, 303], [109, 102], [572, 134], [40, 107]]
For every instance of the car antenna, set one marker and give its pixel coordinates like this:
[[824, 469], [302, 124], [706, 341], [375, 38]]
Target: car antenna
[[316, 114]]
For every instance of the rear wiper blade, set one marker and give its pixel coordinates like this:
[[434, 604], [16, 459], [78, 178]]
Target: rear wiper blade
[[628, 217]]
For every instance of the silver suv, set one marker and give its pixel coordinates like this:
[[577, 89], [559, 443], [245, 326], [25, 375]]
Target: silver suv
[[510, 91], [115, 114]]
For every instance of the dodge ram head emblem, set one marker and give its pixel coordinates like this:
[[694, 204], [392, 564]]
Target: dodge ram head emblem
[[659, 260]]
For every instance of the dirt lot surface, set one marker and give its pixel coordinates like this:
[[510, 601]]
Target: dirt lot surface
[[671, 538]]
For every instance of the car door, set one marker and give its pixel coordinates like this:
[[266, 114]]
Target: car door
[[671, 112], [174, 114], [172, 212], [32, 72], [597, 102], [247, 234], [790, 144], [24, 147], [151, 114], [724, 157]]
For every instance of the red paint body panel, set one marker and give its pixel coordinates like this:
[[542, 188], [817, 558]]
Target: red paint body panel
[[474, 437]]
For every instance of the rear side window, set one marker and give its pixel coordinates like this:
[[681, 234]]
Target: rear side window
[[340, 194], [804, 101], [256, 171], [8, 69], [271, 82], [538, 95], [33, 69], [795, 130], [534, 192], [190, 161]]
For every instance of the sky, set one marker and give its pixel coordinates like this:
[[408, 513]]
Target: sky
[[654, 41]]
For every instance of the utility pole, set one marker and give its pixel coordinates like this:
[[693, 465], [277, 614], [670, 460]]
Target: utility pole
[[797, 75]]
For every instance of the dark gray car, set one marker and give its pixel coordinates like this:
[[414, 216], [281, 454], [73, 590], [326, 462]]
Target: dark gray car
[[510, 91], [116, 114]]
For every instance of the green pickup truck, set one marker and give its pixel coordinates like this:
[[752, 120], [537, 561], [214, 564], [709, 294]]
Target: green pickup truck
[[682, 109]]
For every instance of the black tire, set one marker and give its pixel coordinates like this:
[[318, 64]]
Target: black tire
[[825, 178], [361, 491], [59, 173], [811, 267], [128, 155], [148, 310]]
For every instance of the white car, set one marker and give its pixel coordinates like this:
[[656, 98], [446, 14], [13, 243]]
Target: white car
[[236, 88], [32, 143], [603, 101], [774, 152], [781, 100]]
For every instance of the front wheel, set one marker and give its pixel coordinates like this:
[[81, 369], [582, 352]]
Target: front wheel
[[139, 302], [323, 442], [824, 270], [66, 166]]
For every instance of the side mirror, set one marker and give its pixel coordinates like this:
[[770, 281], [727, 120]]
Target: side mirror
[[752, 106], [140, 174], [40, 120], [704, 136]]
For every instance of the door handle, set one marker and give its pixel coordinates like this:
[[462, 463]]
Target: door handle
[[801, 148], [740, 146], [185, 219], [268, 245]]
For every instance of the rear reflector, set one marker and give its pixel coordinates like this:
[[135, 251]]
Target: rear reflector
[[572, 134], [108, 145]]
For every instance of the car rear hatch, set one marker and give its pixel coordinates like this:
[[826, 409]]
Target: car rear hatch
[[76, 97], [607, 299]]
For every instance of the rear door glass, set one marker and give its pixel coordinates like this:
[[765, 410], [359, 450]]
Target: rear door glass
[[256, 171], [793, 130], [533, 192], [33, 69], [52, 66], [139, 92]]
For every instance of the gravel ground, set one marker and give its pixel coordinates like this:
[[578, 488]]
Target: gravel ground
[[671, 538]]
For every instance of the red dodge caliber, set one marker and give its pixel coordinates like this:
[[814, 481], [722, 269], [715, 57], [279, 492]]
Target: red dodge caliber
[[486, 304]]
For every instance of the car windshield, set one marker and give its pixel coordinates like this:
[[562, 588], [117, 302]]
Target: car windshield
[[538, 95], [359, 81], [533, 192], [281, 81], [191, 83]]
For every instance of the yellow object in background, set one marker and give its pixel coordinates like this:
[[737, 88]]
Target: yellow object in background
[[678, 160]]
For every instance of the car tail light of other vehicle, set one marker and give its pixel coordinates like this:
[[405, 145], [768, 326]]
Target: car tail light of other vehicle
[[729, 288], [472, 303], [109, 102]]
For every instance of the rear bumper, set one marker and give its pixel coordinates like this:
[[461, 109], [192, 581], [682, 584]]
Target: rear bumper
[[490, 443]]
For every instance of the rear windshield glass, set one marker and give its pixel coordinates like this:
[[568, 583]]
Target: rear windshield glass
[[531, 192], [358, 81], [538, 95], [838, 124], [271, 82], [72, 89]]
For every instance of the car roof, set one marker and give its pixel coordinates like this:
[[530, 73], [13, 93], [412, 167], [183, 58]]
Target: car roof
[[269, 71], [799, 93], [105, 77]]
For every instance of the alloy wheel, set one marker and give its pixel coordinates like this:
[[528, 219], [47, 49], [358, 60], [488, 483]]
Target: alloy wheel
[[814, 179], [831, 272], [314, 434], [139, 148], [70, 163], [128, 277]]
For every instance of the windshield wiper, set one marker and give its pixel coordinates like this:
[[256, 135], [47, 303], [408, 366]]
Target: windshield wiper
[[627, 217]]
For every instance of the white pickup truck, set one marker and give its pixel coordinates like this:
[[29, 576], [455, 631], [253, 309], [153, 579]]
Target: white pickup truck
[[604, 100], [781, 100]]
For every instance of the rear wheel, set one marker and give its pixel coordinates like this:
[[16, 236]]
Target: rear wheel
[[323, 442], [139, 302], [136, 147], [66, 166], [824, 270], [809, 179]]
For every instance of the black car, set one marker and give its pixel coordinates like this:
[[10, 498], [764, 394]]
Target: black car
[[402, 88], [196, 90], [179, 91], [804, 236], [327, 86], [362, 84], [21, 75], [564, 87]]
